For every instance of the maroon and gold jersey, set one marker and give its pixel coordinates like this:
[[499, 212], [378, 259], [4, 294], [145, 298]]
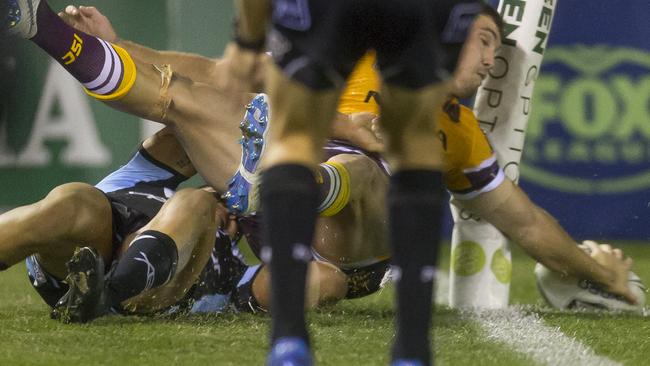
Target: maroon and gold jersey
[[471, 166]]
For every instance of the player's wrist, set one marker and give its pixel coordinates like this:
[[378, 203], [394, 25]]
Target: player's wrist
[[606, 277], [246, 41]]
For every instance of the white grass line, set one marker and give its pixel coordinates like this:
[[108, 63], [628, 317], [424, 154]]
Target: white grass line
[[528, 335]]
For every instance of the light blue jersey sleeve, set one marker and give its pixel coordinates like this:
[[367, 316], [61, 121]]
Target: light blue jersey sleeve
[[142, 168]]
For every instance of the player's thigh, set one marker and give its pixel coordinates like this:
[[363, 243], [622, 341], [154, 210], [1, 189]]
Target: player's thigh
[[325, 284], [75, 214], [185, 216]]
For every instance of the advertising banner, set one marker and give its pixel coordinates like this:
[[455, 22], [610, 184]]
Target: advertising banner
[[586, 158]]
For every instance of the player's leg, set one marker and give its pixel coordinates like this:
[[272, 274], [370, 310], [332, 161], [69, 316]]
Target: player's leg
[[325, 284], [412, 95], [303, 87], [70, 215], [106, 71], [415, 201], [289, 193], [357, 232], [167, 255]]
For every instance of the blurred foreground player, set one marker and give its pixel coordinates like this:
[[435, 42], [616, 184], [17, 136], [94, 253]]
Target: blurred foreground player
[[315, 45]]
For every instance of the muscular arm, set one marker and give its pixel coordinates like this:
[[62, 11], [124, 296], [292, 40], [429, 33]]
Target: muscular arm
[[165, 148], [511, 211]]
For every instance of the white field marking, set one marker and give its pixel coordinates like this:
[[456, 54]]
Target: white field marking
[[528, 335]]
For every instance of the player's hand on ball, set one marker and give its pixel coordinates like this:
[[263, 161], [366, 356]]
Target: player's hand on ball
[[613, 260]]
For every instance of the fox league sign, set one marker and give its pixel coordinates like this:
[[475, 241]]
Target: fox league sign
[[586, 158]]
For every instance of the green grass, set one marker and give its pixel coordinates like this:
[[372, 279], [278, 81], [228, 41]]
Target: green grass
[[351, 333]]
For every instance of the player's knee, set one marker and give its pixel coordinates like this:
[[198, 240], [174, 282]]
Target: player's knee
[[73, 208], [73, 199]]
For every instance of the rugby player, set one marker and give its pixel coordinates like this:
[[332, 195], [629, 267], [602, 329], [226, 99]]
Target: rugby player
[[153, 242]]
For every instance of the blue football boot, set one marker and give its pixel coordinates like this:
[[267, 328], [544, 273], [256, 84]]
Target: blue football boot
[[19, 17], [406, 362], [242, 196], [289, 351]]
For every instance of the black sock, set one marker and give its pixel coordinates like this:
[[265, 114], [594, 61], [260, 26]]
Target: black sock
[[415, 205], [3, 266], [149, 262], [289, 198], [243, 297]]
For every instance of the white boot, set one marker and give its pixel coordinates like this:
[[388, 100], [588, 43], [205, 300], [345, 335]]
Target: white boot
[[21, 18]]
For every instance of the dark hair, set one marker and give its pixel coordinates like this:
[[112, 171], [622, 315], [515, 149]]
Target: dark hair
[[494, 14]]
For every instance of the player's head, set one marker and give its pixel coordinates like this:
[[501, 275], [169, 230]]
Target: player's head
[[477, 56]]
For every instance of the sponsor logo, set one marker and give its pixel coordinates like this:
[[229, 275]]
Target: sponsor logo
[[590, 127], [75, 50]]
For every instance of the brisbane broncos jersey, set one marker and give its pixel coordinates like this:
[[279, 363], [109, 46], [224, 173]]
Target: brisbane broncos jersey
[[471, 167]]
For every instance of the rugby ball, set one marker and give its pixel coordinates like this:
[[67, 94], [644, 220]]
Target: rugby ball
[[565, 292]]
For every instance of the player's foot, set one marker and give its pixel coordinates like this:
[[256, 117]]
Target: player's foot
[[242, 196], [405, 362], [19, 17], [85, 300], [218, 280], [289, 351]]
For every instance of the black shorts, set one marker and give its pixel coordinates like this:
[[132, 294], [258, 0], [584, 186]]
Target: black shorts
[[318, 42], [133, 208], [364, 281]]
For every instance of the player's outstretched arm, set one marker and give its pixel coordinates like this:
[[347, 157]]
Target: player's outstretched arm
[[510, 210], [90, 20]]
